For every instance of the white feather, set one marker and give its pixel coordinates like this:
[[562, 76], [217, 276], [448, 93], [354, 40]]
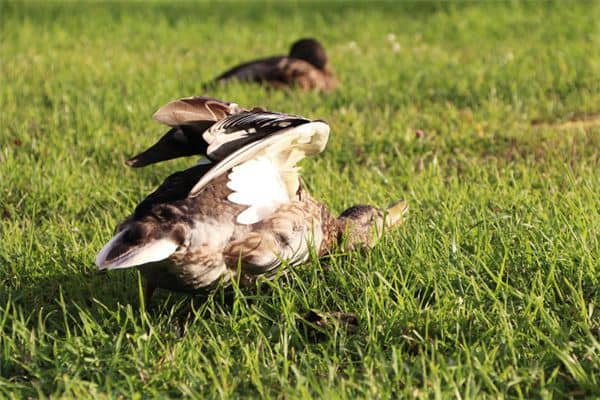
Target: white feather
[[217, 141], [156, 250], [286, 147], [257, 183]]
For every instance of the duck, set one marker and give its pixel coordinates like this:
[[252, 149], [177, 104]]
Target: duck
[[306, 67], [247, 217], [205, 126]]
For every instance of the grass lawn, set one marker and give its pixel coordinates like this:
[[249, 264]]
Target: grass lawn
[[492, 287]]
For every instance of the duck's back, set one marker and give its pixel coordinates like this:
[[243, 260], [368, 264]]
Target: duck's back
[[282, 71], [221, 249], [253, 71]]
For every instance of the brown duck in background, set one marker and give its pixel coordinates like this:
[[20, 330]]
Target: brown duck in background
[[246, 217], [306, 67]]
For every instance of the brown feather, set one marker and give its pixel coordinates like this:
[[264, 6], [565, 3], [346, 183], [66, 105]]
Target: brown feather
[[286, 235], [192, 109], [295, 72], [215, 250]]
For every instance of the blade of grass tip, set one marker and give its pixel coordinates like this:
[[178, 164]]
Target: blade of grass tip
[[572, 365], [63, 308], [5, 313], [141, 296]]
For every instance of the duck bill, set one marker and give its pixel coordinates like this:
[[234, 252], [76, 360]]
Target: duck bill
[[178, 142], [396, 213]]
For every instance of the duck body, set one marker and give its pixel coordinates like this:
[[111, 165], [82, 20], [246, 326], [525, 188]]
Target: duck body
[[280, 72], [216, 250], [305, 67], [238, 220], [242, 218]]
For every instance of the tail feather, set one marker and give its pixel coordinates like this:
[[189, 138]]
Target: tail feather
[[120, 252]]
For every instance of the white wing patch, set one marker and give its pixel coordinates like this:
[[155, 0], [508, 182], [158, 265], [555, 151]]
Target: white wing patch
[[285, 147], [152, 251], [257, 183]]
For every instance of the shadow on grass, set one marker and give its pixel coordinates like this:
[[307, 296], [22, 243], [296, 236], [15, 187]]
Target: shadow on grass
[[52, 290], [60, 300]]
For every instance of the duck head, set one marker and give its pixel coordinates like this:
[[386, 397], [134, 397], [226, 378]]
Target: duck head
[[361, 226], [311, 51]]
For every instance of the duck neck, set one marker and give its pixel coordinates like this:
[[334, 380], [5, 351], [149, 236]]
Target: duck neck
[[332, 230]]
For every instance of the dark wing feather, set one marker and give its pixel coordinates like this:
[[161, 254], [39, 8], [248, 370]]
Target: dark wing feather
[[176, 187], [189, 118], [236, 131], [253, 71], [180, 141]]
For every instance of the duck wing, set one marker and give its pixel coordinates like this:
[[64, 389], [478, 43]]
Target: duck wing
[[263, 174], [236, 131], [189, 117], [180, 141]]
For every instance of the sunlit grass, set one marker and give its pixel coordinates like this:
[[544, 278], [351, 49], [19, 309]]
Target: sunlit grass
[[491, 287]]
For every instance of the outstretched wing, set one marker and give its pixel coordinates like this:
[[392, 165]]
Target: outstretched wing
[[263, 174], [179, 141], [236, 131], [189, 118]]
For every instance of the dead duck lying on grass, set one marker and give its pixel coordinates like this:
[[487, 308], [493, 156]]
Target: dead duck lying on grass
[[243, 218], [306, 67]]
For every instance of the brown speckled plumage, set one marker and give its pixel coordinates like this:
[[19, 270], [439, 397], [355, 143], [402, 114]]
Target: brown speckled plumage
[[252, 250]]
